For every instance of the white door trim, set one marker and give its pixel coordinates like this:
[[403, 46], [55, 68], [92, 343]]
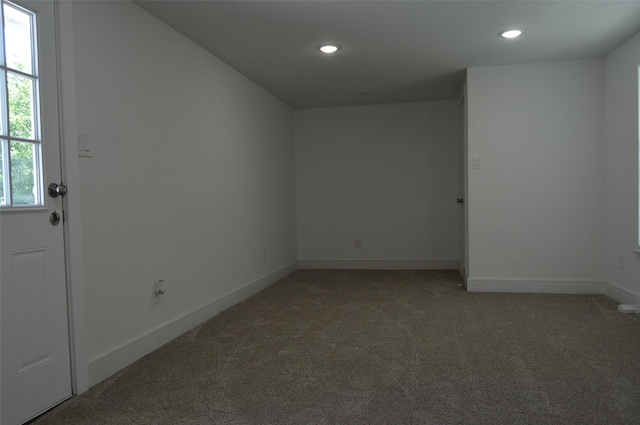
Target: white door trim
[[71, 176]]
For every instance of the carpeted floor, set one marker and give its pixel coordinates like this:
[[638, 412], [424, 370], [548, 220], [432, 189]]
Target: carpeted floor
[[383, 347]]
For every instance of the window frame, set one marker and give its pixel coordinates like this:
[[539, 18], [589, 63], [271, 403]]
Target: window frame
[[6, 138]]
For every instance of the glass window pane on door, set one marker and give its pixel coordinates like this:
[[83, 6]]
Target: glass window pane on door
[[21, 106], [19, 39], [24, 190]]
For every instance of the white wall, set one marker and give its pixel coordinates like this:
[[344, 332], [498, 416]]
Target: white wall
[[621, 170], [387, 175], [192, 180], [536, 215]]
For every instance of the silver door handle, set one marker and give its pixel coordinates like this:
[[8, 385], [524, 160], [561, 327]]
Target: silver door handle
[[56, 190]]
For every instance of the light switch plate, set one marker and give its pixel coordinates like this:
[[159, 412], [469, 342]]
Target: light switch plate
[[84, 145]]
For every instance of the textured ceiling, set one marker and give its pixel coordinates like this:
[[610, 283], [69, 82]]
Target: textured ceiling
[[399, 51]]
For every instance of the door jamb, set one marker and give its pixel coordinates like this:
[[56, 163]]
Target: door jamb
[[71, 176]]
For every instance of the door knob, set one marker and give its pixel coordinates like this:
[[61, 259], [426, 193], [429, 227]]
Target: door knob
[[460, 200], [56, 190]]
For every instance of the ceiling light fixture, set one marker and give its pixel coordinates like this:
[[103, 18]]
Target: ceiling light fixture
[[329, 48], [511, 34]]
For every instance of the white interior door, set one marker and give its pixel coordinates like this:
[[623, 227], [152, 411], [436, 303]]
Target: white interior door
[[34, 345]]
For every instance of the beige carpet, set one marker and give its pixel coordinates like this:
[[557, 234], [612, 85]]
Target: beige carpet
[[383, 347]]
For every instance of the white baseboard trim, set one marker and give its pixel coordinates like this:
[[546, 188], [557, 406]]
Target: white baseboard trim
[[555, 286], [356, 264], [621, 295], [547, 286], [112, 361]]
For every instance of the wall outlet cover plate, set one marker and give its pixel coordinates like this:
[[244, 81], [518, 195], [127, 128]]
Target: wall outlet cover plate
[[628, 308]]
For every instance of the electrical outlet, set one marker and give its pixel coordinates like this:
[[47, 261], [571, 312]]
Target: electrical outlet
[[628, 308], [357, 243]]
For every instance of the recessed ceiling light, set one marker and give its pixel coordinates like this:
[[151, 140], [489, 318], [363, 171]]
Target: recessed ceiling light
[[511, 33], [329, 48]]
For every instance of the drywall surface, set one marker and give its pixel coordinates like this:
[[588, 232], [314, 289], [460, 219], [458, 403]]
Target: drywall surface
[[621, 167], [387, 175], [191, 180], [536, 182]]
